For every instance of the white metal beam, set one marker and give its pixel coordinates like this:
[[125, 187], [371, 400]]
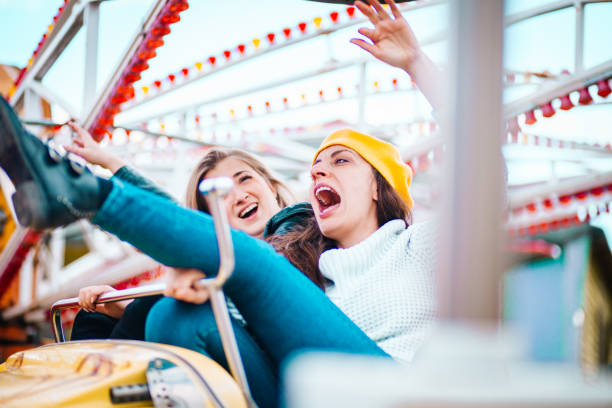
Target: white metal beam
[[67, 26], [555, 89], [579, 38], [52, 98], [119, 271], [92, 24], [547, 8], [526, 195]]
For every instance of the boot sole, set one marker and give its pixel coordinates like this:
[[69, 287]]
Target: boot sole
[[26, 201], [10, 158], [28, 197]]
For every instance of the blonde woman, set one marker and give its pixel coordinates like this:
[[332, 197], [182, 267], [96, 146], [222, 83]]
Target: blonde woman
[[257, 195]]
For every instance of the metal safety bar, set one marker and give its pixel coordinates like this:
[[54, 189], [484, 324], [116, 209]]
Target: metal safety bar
[[213, 190], [132, 293]]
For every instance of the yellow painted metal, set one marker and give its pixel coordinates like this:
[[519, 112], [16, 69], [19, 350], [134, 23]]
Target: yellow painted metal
[[10, 293], [81, 373], [9, 225]]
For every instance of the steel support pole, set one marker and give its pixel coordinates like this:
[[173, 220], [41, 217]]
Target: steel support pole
[[92, 24], [579, 46], [470, 265], [32, 105], [362, 95]]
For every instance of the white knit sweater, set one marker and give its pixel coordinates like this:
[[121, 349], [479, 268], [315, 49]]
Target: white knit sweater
[[385, 285]]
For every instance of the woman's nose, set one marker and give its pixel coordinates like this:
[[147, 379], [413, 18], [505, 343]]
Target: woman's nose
[[318, 171], [239, 196]]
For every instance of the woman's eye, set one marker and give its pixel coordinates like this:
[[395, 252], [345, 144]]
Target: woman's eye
[[244, 178], [341, 160]]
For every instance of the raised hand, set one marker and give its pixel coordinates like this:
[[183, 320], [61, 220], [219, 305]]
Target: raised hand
[[394, 42], [392, 39], [84, 146], [88, 296], [181, 285]]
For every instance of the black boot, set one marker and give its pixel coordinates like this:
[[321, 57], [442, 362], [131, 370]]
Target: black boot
[[50, 190]]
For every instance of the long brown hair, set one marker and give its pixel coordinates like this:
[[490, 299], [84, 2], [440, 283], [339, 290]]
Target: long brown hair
[[195, 200], [304, 245]]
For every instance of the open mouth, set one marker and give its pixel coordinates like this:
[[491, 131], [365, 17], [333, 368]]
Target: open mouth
[[328, 199], [249, 211]]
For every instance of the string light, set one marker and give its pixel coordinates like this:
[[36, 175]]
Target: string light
[[124, 90]]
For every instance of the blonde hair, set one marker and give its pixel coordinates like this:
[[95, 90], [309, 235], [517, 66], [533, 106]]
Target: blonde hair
[[193, 198]]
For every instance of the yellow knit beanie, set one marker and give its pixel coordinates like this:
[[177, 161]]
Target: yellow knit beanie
[[381, 155]]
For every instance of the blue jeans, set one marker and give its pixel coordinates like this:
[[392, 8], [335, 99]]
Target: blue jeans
[[204, 337], [283, 309]]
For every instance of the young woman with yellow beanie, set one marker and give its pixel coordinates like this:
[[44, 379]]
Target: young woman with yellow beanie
[[378, 268], [379, 300]]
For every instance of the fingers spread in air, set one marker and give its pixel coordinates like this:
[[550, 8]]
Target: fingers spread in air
[[382, 14], [367, 11], [368, 32], [366, 46], [394, 8]]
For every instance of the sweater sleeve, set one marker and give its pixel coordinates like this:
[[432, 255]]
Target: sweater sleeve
[[130, 175]]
